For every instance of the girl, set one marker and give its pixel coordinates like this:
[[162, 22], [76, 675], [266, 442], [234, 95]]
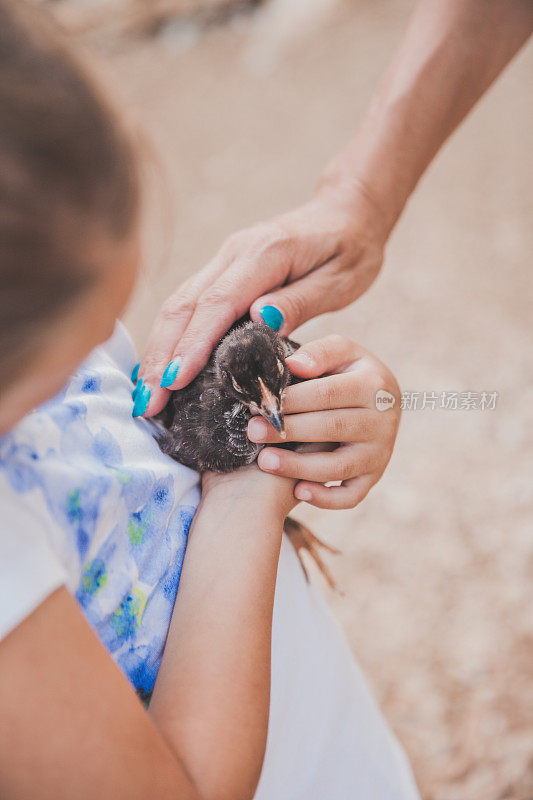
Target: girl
[[95, 518]]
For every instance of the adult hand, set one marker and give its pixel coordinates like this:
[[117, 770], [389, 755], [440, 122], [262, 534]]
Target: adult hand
[[317, 258], [338, 408]]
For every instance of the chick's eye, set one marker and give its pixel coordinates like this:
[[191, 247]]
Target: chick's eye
[[235, 384]]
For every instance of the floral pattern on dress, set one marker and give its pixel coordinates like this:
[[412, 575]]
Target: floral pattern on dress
[[117, 524]]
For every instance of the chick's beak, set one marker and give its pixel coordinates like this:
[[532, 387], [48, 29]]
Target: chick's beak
[[271, 409]]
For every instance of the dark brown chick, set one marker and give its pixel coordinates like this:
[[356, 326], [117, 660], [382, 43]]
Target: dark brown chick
[[206, 421]]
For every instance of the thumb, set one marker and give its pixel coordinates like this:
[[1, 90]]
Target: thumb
[[292, 305], [331, 354]]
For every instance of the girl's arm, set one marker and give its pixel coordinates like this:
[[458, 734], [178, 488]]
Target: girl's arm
[[70, 723], [211, 698]]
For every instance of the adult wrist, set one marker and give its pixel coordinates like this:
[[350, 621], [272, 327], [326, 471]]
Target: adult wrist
[[353, 196], [377, 166]]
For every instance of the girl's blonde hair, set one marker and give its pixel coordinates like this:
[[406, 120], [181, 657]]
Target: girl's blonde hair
[[67, 176]]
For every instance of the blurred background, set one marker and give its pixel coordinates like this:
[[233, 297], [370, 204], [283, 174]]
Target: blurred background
[[242, 103]]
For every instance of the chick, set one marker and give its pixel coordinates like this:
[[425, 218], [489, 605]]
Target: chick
[[206, 421]]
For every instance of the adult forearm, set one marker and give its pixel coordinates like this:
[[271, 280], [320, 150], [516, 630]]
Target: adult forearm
[[212, 695], [451, 52]]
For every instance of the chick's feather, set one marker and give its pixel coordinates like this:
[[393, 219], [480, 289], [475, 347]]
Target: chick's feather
[[204, 424]]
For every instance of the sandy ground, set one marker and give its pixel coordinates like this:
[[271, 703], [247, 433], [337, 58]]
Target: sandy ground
[[437, 563]]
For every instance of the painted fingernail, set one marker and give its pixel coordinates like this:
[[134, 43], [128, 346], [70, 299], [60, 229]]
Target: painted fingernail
[[302, 493], [272, 317], [137, 388], [141, 401], [257, 429], [268, 459], [169, 375], [135, 372]]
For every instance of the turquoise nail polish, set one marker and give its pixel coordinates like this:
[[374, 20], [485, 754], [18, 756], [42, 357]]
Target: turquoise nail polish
[[135, 372], [141, 401], [272, 317], [169, 375], [138, 387]]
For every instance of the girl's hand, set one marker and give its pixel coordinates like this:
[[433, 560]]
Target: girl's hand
[[338, 408], [317, 258]]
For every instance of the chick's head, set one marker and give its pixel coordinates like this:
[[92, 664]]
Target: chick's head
[[251, 363]]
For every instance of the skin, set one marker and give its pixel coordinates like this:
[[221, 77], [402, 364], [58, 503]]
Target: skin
[[326, 253]]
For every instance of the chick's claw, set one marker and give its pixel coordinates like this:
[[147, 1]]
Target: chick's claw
[[302, 539]]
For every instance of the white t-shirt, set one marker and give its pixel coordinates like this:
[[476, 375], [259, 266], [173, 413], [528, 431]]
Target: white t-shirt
[[89, 501]]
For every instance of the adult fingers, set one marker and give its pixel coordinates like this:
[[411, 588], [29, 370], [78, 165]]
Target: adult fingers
[[342, 425], [320, 291], [343, 463], [195, 317], [227, 299], [348, 495], [167, 329]]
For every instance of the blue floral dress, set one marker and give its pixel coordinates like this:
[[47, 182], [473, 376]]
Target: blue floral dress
[[89, 500]]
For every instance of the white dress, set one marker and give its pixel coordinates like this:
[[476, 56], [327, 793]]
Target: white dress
[[89, 501]]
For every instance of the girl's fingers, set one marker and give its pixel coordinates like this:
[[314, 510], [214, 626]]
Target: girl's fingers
[[351, 389], [329, 354], [343, 463], [348, 495], [341, 425]]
